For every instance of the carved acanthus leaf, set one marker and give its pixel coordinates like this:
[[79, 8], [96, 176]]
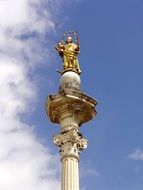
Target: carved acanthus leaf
[[72, 136]]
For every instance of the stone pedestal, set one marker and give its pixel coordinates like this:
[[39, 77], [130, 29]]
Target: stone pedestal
[[70, 108]]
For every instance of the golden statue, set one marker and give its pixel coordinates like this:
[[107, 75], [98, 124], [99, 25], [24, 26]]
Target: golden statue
[[69, 51]]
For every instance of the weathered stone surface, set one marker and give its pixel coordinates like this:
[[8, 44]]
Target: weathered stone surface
[[74, 103], [70, 108], [71, 143]]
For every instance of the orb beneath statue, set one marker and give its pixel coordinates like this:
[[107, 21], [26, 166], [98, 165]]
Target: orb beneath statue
[[70, 81]]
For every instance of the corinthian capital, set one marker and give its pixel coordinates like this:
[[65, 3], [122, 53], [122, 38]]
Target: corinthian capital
[[70, 142]]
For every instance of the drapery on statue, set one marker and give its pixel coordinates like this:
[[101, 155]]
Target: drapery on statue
[[69, 51]]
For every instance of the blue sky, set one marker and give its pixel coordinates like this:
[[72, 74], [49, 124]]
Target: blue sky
[[111, 59], [111, 40]]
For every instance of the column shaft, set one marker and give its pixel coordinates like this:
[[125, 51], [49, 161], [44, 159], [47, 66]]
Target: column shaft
[[70, 174]]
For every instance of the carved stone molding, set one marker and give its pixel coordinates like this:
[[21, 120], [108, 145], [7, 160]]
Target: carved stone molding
[[70, 102], [71, 143]]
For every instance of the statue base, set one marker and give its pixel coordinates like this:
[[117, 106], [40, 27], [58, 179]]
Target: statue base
[[69, 69]]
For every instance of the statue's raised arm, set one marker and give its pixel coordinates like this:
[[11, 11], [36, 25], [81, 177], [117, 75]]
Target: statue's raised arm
[[68, 48]]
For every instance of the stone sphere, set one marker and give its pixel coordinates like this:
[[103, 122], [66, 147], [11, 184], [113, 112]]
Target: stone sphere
[[70, 79]]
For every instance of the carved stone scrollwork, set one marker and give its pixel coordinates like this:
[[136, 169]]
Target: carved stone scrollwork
[[68, 108], [75, 107], [70, 143]]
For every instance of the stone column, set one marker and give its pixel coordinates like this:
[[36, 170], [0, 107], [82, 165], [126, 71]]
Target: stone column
[[70, 174], [70, 108], [70, 143]]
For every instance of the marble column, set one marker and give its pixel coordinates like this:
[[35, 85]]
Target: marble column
[[70, 108]]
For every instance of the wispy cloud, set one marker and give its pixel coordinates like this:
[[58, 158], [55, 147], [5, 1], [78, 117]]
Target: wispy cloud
[[24, 162], [137, 154], [92, 172], [86, 171]]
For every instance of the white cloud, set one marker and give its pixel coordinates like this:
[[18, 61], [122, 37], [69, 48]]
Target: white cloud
[[137, 154], [24, 162], [25, 16]]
